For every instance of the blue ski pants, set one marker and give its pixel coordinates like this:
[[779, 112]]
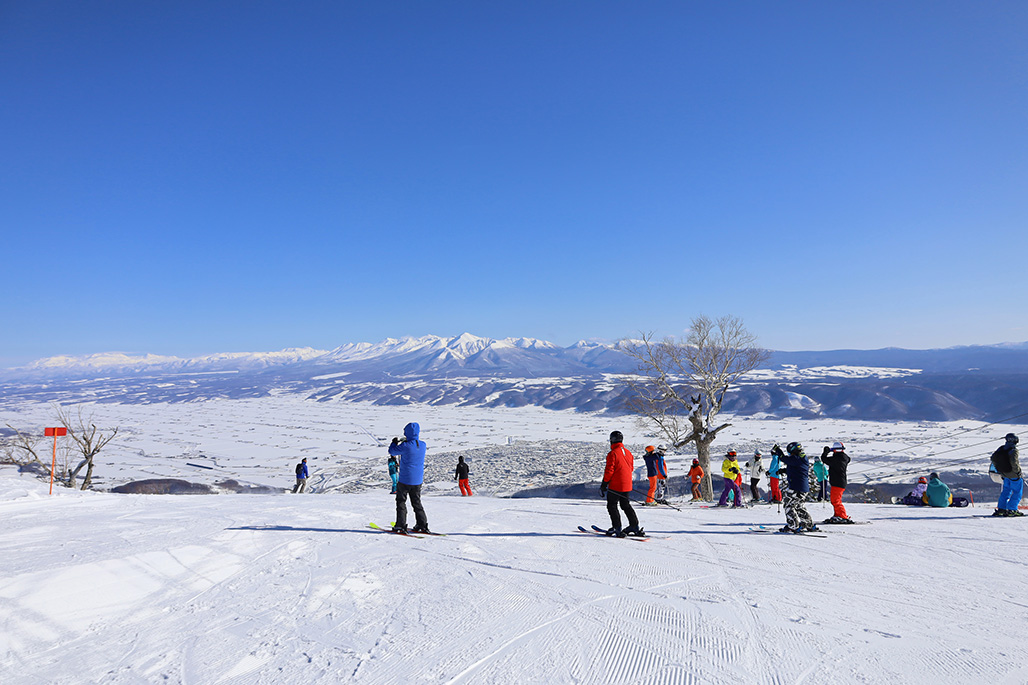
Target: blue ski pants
[[1010, 497]]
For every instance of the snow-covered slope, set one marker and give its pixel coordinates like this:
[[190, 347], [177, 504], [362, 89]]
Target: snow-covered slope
[[287, 589]]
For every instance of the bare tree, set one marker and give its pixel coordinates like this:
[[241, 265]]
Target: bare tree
[[682, 383], [22, 447], [83, 432]]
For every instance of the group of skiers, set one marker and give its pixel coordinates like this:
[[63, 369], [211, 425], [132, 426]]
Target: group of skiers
[[790, 474]]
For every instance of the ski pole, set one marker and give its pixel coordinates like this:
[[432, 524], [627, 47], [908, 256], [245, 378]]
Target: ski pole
[[647, 494]]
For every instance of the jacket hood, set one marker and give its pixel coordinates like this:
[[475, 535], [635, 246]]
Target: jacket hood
[[411, 431]]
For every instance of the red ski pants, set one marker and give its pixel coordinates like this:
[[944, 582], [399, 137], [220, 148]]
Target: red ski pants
[[465, 489], [836, 498], [776, 492]]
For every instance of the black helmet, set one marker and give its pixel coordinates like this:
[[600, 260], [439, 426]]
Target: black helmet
[[616, 436], [1011, 438], [793, 447]]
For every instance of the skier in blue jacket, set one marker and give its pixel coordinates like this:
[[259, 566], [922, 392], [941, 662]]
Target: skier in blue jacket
[[797, 485], [301, 476], [412, 474]]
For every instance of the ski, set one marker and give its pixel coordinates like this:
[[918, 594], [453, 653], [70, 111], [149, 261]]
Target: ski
[[829, 522], [603, 532], [425, 532], [775, 531], [377, 527]]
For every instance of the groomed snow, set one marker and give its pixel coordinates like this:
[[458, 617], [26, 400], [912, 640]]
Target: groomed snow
[[285, 589]]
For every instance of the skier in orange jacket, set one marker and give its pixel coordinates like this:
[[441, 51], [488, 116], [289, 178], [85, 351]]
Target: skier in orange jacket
[[617, 484], [696, 477]]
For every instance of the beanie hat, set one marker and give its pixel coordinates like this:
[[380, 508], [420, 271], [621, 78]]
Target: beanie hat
[[616, 436]]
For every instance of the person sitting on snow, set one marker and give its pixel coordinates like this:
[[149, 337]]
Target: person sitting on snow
[[937, 494], [914, 497]]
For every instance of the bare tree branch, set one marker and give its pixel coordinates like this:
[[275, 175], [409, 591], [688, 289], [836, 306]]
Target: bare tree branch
[[708, 362], [83, 432]]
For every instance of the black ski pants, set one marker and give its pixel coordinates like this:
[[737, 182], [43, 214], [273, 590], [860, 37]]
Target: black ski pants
[[402, 491], [620, 499]]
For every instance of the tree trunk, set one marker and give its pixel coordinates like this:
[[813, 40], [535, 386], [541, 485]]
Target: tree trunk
[[703, 454], [88, 480]]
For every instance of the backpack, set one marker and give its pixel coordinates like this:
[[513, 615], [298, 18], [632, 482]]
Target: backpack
[[1001, 460], [299, 469]]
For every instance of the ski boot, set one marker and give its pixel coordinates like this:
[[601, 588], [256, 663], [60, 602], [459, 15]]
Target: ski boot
[[787, 529], [633, 530], [421, 529], [614, 533], [402, 530]]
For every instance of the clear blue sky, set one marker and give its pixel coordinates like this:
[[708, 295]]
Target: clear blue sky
[[194, 177]]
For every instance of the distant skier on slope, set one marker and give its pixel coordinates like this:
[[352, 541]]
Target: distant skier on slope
[[819, 482], [773, 470], [797, 485], [696, 478], [301, 476], [1008, 464], [412, 474], [617, 483], [394, 468], [837, 462], [654, 471], [661, 494], [731, 471], [756, 467], [460, 474]]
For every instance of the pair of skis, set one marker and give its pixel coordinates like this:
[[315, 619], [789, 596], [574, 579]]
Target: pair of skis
[[596, 530], [777, 531], [377, 527]]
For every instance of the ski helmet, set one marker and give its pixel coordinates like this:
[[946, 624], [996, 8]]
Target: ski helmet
[[616, 436], [934, 475], [695, 462], [1011, 438], [793, 447], [922, 479], [732, 454], [650, 448], [757, 453], [837, 447]]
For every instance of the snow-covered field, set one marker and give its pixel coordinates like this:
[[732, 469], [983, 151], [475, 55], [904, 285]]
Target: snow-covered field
[[258, 441], [103, 588], [106, 588]]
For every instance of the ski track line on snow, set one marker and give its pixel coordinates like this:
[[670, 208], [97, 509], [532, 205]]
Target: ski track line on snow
[[517, 638]]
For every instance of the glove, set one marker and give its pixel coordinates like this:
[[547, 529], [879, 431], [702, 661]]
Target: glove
[[736, 471], [825, 452], [603, 487], [777, 451]]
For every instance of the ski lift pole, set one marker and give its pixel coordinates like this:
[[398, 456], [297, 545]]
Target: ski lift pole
[[59, 431]]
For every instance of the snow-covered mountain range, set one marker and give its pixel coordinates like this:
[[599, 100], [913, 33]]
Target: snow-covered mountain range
[[968, 382]]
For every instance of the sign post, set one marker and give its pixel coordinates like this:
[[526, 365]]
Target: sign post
[[55, 432]]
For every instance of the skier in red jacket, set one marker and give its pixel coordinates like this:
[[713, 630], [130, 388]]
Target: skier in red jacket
[[617, 483]]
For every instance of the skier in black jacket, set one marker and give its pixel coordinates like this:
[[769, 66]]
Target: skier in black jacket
[[1007, 462], [797, 485], [837, 461], [460, 475]]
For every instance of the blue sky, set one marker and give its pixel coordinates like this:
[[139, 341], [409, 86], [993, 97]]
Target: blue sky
[[194, 177]]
